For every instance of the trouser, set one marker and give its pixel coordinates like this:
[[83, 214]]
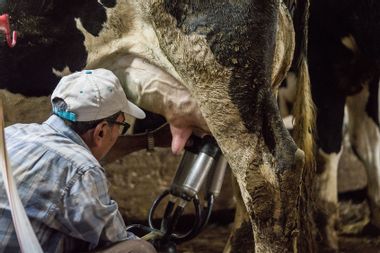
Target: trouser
[[129, 246]]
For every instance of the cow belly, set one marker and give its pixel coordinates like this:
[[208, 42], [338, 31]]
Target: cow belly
[[155, 90]]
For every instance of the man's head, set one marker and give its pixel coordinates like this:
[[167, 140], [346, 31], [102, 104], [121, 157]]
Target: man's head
[[94, 105]]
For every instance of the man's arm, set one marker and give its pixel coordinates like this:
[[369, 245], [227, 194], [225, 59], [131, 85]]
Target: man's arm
[[131, 143], [89, 214]]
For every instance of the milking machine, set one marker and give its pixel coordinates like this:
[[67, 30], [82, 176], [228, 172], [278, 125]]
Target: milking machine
[[202, 168]]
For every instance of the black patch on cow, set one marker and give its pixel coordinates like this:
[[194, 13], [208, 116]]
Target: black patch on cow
[[299, 11], [336, 71], [364, 22], [241, 35], [329, 101], [48, 38], [372, 107]]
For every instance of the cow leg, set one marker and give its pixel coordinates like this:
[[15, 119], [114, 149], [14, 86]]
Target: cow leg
[[330, 113], [365, 140], [327, 199], [326, 187], [232, 86], [241, 235], [329, 101], [329, 129]]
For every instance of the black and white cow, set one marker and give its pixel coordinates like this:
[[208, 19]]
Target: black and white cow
[[209, 65], [344, 63]]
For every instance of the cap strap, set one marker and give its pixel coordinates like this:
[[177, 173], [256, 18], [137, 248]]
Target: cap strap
[[65, 115]]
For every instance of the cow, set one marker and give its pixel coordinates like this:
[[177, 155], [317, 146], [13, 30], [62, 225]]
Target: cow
[[224, 57], [344, 63]]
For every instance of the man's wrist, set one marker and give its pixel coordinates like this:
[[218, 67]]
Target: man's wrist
[[150, 141]]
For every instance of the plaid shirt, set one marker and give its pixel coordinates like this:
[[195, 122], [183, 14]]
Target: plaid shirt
[[63, 189]]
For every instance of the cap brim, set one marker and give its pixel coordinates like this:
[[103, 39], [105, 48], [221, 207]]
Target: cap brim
[[134, 111]]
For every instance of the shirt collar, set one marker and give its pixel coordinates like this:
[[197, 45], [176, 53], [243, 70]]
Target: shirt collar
[[59, 126]]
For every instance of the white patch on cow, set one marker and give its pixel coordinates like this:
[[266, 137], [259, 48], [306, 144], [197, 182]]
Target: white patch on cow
[[66, 71], [365, 140], [328, 179], [289, 122], [128, 29], [350, 43], [287, 95]]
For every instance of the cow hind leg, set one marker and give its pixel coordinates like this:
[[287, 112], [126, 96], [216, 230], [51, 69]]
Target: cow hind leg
[[327, 199], [329, 129], [241, 235], [365, 140]]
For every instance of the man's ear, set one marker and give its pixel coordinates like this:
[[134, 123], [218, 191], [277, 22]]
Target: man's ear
[[99, 133]]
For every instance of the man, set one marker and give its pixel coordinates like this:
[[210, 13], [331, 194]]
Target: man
[[56, 167]]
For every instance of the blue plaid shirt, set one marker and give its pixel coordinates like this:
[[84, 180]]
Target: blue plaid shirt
[[63, 189]]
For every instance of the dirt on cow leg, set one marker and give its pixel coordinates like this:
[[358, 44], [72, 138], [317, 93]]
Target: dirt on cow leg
[[241, 239], [276, 216], [241, 236]]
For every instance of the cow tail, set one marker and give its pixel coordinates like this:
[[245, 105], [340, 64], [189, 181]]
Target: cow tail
[[304, 127], [304, 116], [303, 110]]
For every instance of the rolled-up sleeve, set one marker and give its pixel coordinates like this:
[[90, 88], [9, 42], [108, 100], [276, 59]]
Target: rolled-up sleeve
[[90, 214]]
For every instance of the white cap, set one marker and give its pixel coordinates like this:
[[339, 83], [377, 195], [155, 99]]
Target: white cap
[[92, 95]]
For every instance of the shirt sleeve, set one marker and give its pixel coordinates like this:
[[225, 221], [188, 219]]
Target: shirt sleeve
[[90, 214]]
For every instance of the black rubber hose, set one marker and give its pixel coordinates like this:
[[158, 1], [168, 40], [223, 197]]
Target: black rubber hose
[[172, 222], [152, 210], [193, 231], [208, 211]]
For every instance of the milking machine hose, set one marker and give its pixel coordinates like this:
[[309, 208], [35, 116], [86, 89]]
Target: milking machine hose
[[177, 237], [207, 212]]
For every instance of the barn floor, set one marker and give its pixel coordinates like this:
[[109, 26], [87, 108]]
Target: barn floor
[[213, 238], [353, 215]]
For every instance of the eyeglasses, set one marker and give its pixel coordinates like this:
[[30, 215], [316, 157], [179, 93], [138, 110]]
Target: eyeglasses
[[124, 126]]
